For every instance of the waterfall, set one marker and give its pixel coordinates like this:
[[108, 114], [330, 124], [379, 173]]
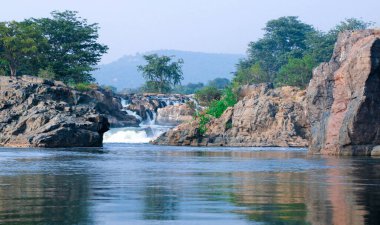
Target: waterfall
[[147, 131]]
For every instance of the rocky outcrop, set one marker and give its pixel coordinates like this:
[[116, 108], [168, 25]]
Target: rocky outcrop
[[343, 97], [146, 105], [174, 114], [264, 117], [107, 103], [40, 113]]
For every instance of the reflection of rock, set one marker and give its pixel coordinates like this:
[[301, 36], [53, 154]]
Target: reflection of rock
[[264, 117], [45, 199], [344, 97], [174, 114], [41, 113]]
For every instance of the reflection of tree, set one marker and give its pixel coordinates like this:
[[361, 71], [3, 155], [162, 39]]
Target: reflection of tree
[[44, 199], [160, 202]]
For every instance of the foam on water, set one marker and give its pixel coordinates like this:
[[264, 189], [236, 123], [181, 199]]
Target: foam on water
[[126, 135], [143, 134]]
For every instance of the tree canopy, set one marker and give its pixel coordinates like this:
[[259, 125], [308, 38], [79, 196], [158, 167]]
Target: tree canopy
[[161, 73], [64, 47], [289, 50]]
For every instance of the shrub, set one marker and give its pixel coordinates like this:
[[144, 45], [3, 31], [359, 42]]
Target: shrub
[[204, 119], [84, 86], [217, 107], [207, 94], [47, 73]]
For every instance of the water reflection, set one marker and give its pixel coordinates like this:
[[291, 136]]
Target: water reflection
[[160, 202], [31, 199], [144, 184]]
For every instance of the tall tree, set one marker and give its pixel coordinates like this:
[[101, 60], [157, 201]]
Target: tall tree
[[284, 38], [161, 73], [73, 48], [19, 44]]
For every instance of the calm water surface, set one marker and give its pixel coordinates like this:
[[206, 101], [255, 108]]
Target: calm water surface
[[144, 184]]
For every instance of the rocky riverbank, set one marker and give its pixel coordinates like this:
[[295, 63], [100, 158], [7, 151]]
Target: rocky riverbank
[[263, 117], [41, 113], [338, 114]]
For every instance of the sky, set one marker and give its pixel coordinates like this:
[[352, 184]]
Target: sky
[[214, 26]]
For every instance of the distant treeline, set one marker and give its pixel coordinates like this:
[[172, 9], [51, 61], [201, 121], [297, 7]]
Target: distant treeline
[[63, 47], [289, 51]]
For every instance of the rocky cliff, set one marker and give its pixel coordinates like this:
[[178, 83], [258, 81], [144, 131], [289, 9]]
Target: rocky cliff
[[40, 113], [263, 117], [343, 97]]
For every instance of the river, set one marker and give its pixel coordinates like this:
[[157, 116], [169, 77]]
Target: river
[[129, 183]]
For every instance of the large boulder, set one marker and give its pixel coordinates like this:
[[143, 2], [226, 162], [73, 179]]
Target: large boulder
[[40, 113], [343, 97], [174, 114], [263, 117]]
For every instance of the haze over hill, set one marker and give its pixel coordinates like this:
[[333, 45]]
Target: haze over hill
[[198, 67]]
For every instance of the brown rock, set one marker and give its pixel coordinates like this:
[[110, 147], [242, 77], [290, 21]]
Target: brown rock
[[264, 117], [343, 98], [174, 114]]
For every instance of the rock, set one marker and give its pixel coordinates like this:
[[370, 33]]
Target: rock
[[264, 117], [376, 151], [174, 114], [40, 113], [343, 97], [109, 104], [145, 105]]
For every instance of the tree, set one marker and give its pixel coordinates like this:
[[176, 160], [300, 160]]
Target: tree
[[252, 75], [19, 44], [73, 48], [284, 38], [160, 73], [297, 72], [321, 45], [290, 45], [189, 88], [350, 24]]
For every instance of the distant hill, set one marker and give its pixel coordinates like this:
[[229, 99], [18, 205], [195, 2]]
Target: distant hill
[[198, 67]]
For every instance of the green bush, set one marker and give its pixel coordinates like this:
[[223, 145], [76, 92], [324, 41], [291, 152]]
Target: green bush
[[208, 94], [204, 119], [297, 72], [217, 107], [84, 86]]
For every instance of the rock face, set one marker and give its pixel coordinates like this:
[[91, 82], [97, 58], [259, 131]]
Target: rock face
[[264, 117], [148, 104], [109, 104], [174, 114], [343, 98], [40, 113]]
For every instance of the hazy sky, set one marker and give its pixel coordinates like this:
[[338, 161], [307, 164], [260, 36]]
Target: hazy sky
[[218, 26]]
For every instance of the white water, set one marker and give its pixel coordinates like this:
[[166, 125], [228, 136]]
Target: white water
[[147, 131], [142, 134]]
